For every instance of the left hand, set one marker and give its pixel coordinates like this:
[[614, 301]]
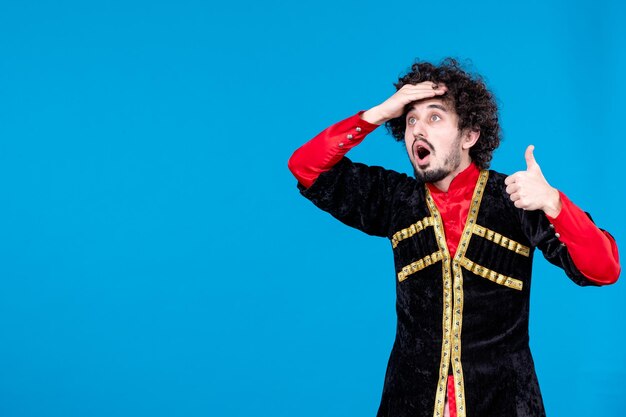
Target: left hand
[[529, 190]]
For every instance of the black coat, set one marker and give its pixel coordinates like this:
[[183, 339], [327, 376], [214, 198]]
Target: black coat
[[466, 316]]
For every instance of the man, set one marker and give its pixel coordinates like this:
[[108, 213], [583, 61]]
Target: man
[[462, 239]]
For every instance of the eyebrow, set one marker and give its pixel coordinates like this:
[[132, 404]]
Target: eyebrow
[[432, 106], [437, 106]]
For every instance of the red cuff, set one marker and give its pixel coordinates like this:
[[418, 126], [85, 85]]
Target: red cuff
[[593, 251], [322, 152]]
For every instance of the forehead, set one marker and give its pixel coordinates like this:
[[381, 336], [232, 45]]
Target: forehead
[[430, 103]]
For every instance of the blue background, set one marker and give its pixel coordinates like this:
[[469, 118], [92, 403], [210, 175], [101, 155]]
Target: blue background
[[156, 258]]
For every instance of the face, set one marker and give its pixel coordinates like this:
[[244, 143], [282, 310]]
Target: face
[[436, 147]]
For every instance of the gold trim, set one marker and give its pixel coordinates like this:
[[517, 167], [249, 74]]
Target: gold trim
[[411, 230], [419, 265], [453, 308], [458, 292], [503, 241], [491, 275], [442, 384]]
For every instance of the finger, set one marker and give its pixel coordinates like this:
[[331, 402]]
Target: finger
[[531, 163], [436, 85], [511, 179], [421, 92], [414, 89], [512, 188], [414, 98], [419, 95], [416, 92], [425, 86], [431, 84], [516, 195]]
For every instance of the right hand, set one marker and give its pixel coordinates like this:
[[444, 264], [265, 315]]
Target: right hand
[[394, 106]]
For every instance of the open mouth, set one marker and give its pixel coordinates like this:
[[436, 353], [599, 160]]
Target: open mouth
[[421, 152]]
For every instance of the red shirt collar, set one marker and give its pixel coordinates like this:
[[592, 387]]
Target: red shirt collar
[[464, 181]]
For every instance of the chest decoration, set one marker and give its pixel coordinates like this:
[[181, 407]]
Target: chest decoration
[[452, 278]]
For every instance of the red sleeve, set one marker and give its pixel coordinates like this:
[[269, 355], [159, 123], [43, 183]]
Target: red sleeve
[[322, 152], [593, 251]]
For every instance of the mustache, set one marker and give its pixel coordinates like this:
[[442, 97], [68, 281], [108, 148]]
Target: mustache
[[430, 145]]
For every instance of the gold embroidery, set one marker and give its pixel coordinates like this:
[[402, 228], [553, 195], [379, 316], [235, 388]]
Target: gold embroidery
[[419, 265], [442, 385], [498, 239], [453, 308], [411, 230], [458, 295], [491, 275]]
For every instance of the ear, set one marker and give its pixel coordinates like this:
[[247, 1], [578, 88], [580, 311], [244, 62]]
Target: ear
[[470, 138]]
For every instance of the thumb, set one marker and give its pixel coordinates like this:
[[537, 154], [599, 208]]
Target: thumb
[[531, 163]]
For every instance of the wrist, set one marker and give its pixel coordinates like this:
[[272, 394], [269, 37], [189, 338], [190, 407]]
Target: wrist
[[553, 206], [374, 116]]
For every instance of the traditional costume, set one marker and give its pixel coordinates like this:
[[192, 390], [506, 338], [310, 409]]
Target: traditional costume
[[463, 263]]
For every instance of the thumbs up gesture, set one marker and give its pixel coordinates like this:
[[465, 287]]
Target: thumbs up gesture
[[529, 190]]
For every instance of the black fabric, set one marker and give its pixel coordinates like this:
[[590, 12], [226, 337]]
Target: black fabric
[[498, 369]]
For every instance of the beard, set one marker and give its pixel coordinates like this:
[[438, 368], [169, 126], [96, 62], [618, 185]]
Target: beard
[[432, 175], [451, 162]]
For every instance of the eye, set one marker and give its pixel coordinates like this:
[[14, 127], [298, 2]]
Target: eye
[[411, 121], [435, 118]]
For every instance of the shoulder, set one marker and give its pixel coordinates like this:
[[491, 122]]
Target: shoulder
[[356, 177], [368, 172], [496, 176], [496, 184], [496, 190]]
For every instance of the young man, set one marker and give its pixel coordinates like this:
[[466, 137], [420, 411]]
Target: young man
[[462, 239]]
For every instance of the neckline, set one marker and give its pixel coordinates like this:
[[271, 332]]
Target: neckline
[[464, 180]]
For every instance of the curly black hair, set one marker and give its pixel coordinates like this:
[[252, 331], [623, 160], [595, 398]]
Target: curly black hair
[[475, 105]]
